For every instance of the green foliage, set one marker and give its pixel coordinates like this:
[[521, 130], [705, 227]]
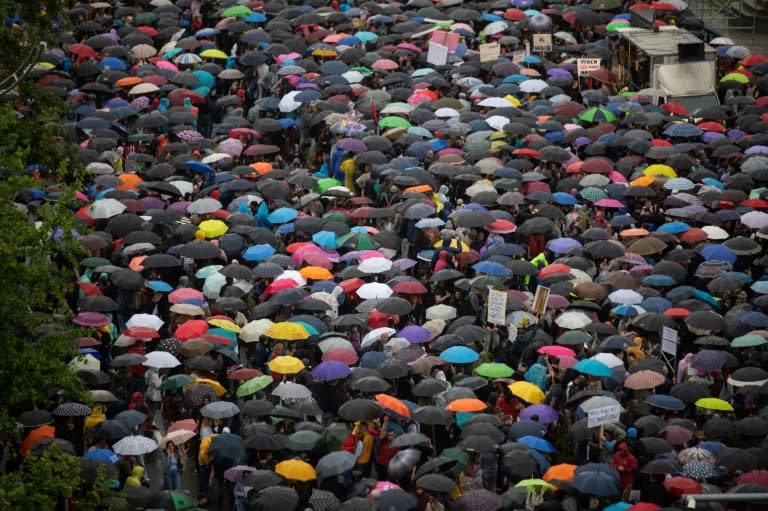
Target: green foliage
[[15, 41], [42, 482]]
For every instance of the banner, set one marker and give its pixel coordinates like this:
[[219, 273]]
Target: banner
[[586, 66], [448, 39], [540, 300], [669, 340], [489, 52], [497, 307], [437, 54], [603, 415], [542, 42]]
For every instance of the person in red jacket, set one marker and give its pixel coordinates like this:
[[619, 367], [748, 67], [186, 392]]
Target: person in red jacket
[[385, 452], [626, 464]]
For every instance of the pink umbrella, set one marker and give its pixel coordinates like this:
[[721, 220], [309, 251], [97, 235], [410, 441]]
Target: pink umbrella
[[616, 177], [557, 351], [385, 65], [280, 59], [230, 146], [609, 203], [369, 254], [566, 362], [317, 259], [164, 64]]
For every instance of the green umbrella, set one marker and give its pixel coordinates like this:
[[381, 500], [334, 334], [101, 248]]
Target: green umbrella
[[145, 18], [394, 122], [593, 193], [735, 77], [357, 241], [303, 441], [461, 458], [597, 114], [748, 341], [254, 385], [326, 183], [610, 27], [236, 11], [573, 338], [494, 370], [94, 262], [176, 381], [336, 217]]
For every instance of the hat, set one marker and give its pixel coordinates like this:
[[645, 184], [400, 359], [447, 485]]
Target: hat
[[632, 433]]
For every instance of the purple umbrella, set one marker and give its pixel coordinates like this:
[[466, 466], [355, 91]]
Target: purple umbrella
[[543, 414], [91, 319], [557, 71], [563, 245], [708, 360], [352, 145], [189, 135], [180, 207], [415, 334], [330, 370], [152, 203], [755, 149]]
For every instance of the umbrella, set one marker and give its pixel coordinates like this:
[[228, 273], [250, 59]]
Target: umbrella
[[334, 463], [220, 410], [437, 483], [360, 410], [134, 445], [478, 500], [595, 483], [296, 470]]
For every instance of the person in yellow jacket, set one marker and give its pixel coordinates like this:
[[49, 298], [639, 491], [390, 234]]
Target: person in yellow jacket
[[205, 459], [540, 261], [368, 440], [96, 417]]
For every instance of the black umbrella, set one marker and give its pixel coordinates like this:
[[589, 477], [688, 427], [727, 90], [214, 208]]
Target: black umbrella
[[360, 410], [126, 279], [429, 387], [436, 483], [432, 416], [334, 463], [440, 463], [264, 442], [35, 418], [200, 249], [393, 368], [274, 497], [689, 391]]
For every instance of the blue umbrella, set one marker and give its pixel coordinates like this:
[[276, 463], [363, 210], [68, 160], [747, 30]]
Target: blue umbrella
[[656, 303], [131, 418], [282, 215], [618, 506], [537, 443], [592, 367], [525, 428], [756, 319], [659, 280], [683, 130], [563, 245], [106, 455], [564, 199], [331, 370], [665, 402], [761, 287], [491, 268], [198, 166], [719, 253], [204, 78], [680, 293], [674, 227], [598, 484], [712, 446], [325, 239], [159, 286], [459, 355], [256, 17], [429, 222], [112, 63], [373, 359], [258, 252], [628, 311]]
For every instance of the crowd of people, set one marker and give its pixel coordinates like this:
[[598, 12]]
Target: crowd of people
[[326, 272]]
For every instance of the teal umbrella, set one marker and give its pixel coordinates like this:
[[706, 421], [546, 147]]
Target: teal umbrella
[[303, 441]]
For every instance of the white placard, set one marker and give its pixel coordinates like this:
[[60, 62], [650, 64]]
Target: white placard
[[540, 300], [603, 415], [669, 340], [437, 54], [489, 52], [518, 56], [497, 307], [542, 42], [586, 66]]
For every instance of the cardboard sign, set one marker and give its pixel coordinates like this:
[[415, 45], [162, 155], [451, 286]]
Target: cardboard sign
[[518, 56], [448, 39], [604, 415], [669, 340], [497, 307], [586, 66], [437, 54], [540, 300], [542, 42], [489, 52]]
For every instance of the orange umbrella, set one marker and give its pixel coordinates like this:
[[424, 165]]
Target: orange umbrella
[[262, 167], [129, 182], [561, 472], [45, 431], [135, 263], [128, 81], [643, 181], [315, 273], [393, 404], [468, 404], [419, 189], [629, 233]]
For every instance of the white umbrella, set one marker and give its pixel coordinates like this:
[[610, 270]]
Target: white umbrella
[[204, 206], [288, 102], [290, 390], [533, 86], [608, 359], [134, 445], [255, 329], [446, 112], [755, 219], [497, 122], [573, 320], [293, 275], [721, 41], [213, 285], [479, 188], [143, 88], [565, 36], [374, 335], [105, 208], [178, 437], [626, 297], [220, 410], [161, 360], [185, 187], [333, 343], [145, 320], [598, 402], [495, 102], [85, 363], [375, 265], [441, 311], [214, 157], [371, 290], [495, 27]]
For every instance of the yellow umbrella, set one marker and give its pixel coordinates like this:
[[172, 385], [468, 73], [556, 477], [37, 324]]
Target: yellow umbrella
[[660, 169], [528, 392], [315, 273], [286, 364], [454, 244], [287, 331], [217, 387], [213, 228], [213, 53], [512, 99], [296, 470], [324, 52], [226, 325], [713, 403]]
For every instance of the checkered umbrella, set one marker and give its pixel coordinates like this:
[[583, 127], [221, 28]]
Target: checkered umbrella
[[645, 379], [322, 500], [696, 454], [198, 393], [699, 470], [478, 500], [72, 410]]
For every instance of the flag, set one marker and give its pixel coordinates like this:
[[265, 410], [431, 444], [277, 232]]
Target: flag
[[374, 115]]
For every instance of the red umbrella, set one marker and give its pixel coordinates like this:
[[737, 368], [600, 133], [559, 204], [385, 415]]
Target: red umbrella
[[526, 153], [644, 506], [186, 424], [341, 355], [755, 477], [351, 285], [90, 289], [83, 50], [554, 268], [711, 126], [501, 226], [754, 59], [191, 329], [603, 75], [597, 165], [679, 486], [410, 287], [177, 97], [244, 374], [663, 6], [185, 294], [674, 108], [141, 332], [693, 235], [677, 313], [569, 109], [393, 404]]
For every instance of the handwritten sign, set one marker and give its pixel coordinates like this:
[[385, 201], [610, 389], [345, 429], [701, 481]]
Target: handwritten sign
[[540, 300], [542, 42], [669, 340], [448, 39], [586, 66], [518, 56], [603, 415], [437, 54], [489, 52], [497, 307]]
